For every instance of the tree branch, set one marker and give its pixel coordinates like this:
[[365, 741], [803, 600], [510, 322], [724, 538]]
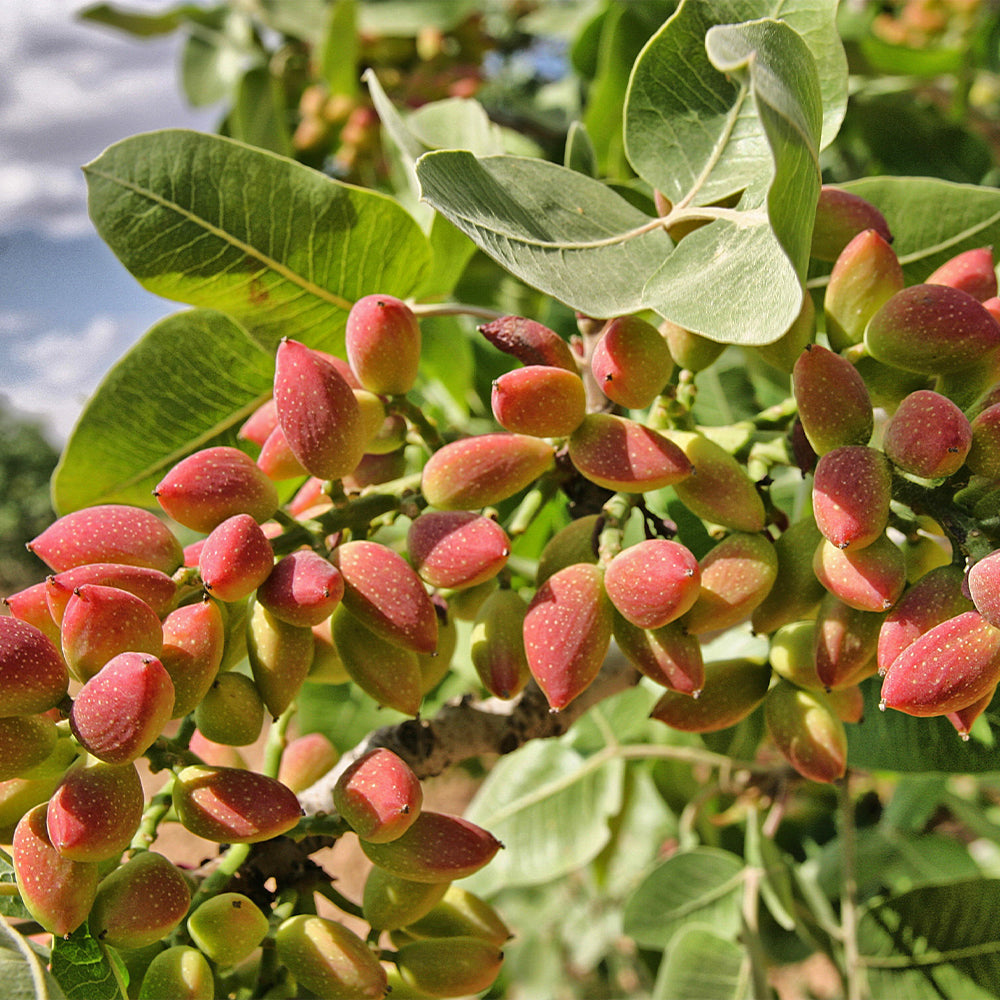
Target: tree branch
[[465, 728]]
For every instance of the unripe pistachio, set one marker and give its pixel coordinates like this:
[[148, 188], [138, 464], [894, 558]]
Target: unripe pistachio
[[834, 406], [121, 710], [330, 960], [667, 655], [57, 891], [382, 339], [806, 731], [456, 549], [732, 690], [933, 330], [799, 592], [496, 644], [235, 559], [318, 411], [25, 742], [437, 847], [33, 676], [567, 632], [204, 489], [983, 458], [461, 913], [539, 400], [947, 669], [95, 811], [391, 902], [625, 456], [631, 362], [232, 806], [178, 973], [480, 471], [140, 902], [851, 491], [530, 342], [840, 215], [575, 543], [227, 927], [785, 351], [387, 672], [231, 712], [280, 656], [866, 275], [736, 575], [450, 967], [791, 654], [972, 271], [869, 579], [277, 460], [927, 436], [690, 351], [101, 622], [115, 533], [719, 490]]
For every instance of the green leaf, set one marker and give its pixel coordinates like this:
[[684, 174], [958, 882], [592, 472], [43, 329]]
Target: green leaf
[[932, 220], [762, 292], [405, 18], [702, 886], [623, 30], [550, 807], [693, 133], [281, 248], [935, 941], [580, 154], [258, 114], [456, 122], [339, 51], [11, 906], [559, 231], [189, 383], [138, 24], [216, 56], [701, 966], [893, 741], [903, 60], [84, 969], [22, 972]]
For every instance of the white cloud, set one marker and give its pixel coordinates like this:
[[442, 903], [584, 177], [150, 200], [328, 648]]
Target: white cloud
[[68, 90], [50, 373]]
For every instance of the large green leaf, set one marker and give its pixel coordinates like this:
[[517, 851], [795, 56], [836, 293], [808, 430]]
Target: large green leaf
[[701, 966], [935, 941], [736, 280], [189, 383], [931, 219], [283, 249], [22, 972], [550, 806], [701, 886], [567, 234], [693, 132], [85, 968], [892, 741]]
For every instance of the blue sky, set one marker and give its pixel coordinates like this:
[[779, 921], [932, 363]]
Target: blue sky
[[68, 309]]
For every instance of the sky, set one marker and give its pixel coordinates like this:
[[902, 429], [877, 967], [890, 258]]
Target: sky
[[68, 308]]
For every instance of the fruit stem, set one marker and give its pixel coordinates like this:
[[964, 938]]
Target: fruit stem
[[426, 430], [276, 743], [855, 984], [159, 806], [327, 891], [454, 309], [534, 500]]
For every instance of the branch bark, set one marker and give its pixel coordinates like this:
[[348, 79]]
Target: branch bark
[[466, 728]]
